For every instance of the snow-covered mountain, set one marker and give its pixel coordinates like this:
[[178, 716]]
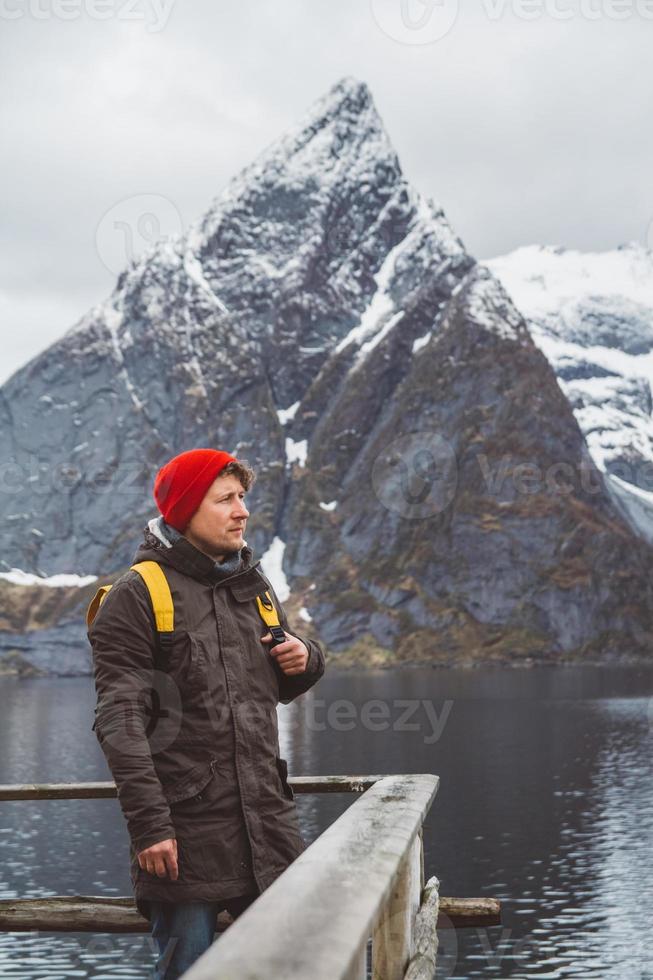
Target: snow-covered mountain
[[324, 322], [591, 314], [205, 338]]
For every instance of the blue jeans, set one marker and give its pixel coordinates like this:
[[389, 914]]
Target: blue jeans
[[185, 930]]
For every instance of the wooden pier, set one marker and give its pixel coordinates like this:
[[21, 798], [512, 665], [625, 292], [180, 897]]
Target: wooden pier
[[362, 879]]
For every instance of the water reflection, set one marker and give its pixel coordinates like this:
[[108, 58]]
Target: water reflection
[[546, 801]]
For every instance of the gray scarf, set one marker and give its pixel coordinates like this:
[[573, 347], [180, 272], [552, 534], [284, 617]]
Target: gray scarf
[[231, 564]]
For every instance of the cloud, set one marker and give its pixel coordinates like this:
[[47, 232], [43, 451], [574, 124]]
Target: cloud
[[524, 130], [33, 319]]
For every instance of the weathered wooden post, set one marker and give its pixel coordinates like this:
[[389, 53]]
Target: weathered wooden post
[[392, 942], [425, 951]]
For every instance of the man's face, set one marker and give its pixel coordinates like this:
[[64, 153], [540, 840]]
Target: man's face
[[218, 525]]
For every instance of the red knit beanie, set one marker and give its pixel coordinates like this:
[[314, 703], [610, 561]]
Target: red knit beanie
[[180, 485]]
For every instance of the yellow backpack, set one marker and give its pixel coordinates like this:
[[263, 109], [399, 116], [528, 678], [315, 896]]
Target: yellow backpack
[[164, 617], [164, 612]]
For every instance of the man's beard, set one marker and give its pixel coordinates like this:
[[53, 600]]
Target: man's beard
[[223, 551]]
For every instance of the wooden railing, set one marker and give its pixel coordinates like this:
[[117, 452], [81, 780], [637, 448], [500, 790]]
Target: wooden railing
[[362, 879]]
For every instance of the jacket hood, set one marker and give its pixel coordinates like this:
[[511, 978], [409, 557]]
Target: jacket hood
[[184, 556]]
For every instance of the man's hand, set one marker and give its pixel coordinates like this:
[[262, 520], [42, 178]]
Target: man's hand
[[292, 656], [161, 858]]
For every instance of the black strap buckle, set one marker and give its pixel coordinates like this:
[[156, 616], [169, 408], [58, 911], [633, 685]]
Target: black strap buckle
[[278, 635], [163, 647]]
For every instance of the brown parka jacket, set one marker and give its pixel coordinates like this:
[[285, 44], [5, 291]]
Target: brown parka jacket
[[189, 728]]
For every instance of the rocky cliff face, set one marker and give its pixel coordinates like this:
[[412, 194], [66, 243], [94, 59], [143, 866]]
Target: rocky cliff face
[[592, 316], [41, 628], [324, 322], [471, 522]]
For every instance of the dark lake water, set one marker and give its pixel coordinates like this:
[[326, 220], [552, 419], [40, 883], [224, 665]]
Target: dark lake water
[[545, 801]]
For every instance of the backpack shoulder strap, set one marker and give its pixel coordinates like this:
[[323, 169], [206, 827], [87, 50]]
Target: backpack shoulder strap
[[95, 603], [157, 585], [164, 617], [270, 617], [160, 596]]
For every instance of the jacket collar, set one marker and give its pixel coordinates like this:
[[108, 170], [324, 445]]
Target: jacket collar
[[185, 557]]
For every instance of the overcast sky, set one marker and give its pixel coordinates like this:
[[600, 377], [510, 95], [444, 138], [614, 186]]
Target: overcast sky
[[529, 120]]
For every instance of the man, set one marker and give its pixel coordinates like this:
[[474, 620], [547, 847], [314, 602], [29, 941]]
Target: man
[[186, 716]]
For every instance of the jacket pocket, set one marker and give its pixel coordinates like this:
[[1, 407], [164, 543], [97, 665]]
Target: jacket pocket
[[282, 768], [251, 628], [188, 785], [248, 587], [198, 666], [186, 661]]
